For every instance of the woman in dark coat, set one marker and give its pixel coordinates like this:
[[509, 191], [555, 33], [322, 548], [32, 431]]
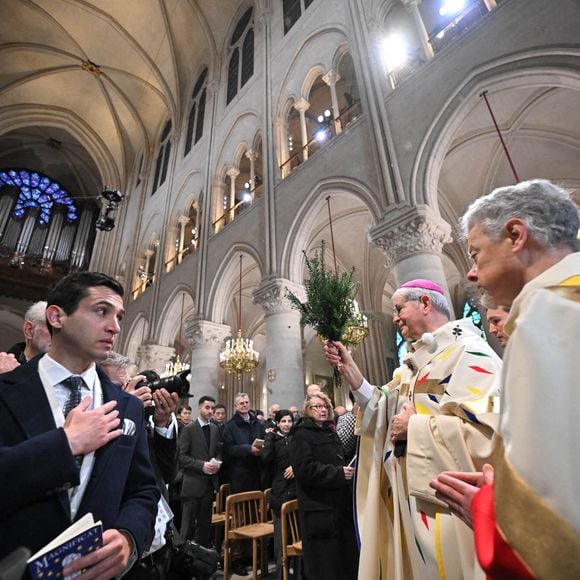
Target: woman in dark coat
[[324, 490], [276, 455]]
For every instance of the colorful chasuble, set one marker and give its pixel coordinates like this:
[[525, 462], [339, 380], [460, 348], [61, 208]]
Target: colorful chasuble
[[452, 379], [535, 511]]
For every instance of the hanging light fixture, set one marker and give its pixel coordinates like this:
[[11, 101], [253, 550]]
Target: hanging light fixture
[[239, 355]]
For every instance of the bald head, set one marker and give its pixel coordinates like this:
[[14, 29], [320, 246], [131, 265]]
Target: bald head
[[312, 389]]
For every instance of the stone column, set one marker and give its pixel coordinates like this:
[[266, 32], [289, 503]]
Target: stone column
[[182, 220], [283, 356], [302, 106], [218, 190], [490, 5], [413, 7], [281, 129], [206, 339], [331, 78], [412, 239], [154, 357], [252, 155], [233, 172]]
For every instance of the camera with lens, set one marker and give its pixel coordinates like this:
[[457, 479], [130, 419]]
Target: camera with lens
[[177, 383]]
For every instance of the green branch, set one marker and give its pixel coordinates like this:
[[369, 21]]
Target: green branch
[[328, 308]]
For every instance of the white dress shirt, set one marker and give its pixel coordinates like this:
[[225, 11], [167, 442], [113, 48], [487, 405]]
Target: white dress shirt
[[52, 374]]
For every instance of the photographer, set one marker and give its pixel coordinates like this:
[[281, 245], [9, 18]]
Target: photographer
[[160, 405]]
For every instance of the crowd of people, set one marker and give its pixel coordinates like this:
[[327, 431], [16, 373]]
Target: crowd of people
[[426, 477]]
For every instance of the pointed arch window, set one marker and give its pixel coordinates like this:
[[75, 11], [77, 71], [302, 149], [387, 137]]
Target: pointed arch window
[[241, 60], [293, 10], [197, 112], [162, 162]]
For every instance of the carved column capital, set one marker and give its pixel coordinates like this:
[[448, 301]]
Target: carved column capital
[[302, 105], [252, 154], [331, 77], [183, 220], [233, 172], [201, 332], [406, 231], [154, 356], [271, 295]]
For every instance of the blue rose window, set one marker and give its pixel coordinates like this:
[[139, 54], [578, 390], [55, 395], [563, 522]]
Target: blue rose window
[[38, 190]]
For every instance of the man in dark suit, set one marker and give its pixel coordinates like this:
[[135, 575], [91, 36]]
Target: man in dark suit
[[198, 445], [245, 466], [66, 458]]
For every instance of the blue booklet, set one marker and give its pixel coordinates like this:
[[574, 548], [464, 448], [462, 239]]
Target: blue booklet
[[82, 537]]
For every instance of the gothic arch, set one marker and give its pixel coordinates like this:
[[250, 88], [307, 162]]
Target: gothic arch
[[226, 280], [170, 315], [137, 335], [302, 225], [534, 68]]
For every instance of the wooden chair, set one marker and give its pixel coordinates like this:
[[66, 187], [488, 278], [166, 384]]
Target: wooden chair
[[290, 528], [267, 497], [246, 520], [218, 518]]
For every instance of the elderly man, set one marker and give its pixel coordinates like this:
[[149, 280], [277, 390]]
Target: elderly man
[[436, 411], [270, 424], [36, 339], [523, 243]]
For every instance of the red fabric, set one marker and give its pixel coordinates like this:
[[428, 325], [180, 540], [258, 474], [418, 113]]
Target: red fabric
[[495, 555]]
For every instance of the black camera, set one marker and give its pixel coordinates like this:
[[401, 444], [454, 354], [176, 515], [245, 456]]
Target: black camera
[[178, 383]]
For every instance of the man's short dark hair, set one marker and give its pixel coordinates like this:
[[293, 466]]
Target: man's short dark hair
[[206, 398], [219, 406], [68, 292], [182, 407]]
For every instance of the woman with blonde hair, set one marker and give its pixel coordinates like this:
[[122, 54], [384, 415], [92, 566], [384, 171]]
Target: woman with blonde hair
[[324, 491]]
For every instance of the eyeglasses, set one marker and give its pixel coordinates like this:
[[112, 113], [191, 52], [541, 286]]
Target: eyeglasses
[[319, 407], [399, 307]]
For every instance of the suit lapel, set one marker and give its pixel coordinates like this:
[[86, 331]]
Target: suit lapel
[[213, 440], [201, 436], [24, 394]]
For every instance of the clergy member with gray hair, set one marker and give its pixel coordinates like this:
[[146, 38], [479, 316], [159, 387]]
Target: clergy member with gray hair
[[436, 411]]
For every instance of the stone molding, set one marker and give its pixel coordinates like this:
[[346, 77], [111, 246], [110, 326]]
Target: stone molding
[[406, 231]]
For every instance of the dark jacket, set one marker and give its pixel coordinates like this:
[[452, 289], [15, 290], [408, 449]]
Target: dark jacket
[[34, 504], [18, 351], [244, 469], [276, 456], [193, 453], [324, 502]]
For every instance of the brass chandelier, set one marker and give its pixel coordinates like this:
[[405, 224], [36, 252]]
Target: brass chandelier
[[239, 355]]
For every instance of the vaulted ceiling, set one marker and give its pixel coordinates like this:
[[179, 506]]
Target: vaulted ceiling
[[89, 83]]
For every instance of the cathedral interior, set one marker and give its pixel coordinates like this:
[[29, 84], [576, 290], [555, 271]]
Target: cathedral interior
[[197, 150]]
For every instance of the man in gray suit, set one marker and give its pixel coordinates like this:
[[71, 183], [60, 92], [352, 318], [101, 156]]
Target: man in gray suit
[[198, 444]]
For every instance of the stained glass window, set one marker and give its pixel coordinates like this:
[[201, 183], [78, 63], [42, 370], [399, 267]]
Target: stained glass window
[[38, 190], [241, 59], [401, 347], [470, 311]]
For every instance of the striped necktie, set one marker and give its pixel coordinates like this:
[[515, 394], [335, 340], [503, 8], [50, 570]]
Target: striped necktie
[[73, 384]]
